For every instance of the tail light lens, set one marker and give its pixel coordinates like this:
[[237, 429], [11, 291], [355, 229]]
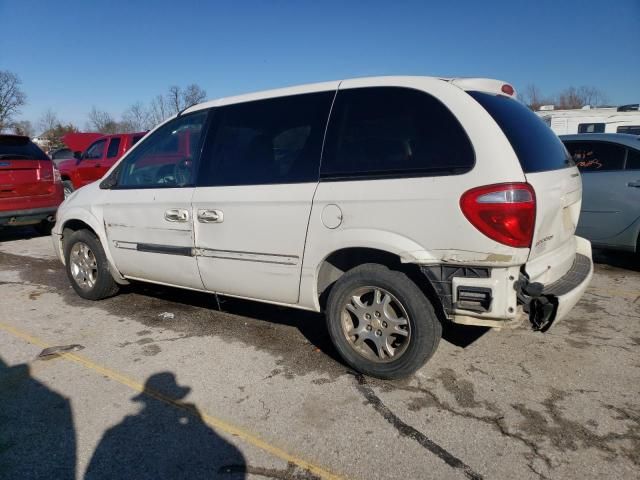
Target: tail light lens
[[56, 174], [504, 212]]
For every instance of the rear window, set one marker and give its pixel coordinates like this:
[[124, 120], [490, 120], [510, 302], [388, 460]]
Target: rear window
[[114, 147], [591, 128], [630, 129], [535, 144], [20, 148]]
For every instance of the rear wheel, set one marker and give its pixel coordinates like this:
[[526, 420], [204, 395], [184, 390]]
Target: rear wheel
[[381, 323], [87, 266]]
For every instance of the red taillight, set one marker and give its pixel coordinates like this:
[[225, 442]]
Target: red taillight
[[56, 174], [505, 212], [507, 89]]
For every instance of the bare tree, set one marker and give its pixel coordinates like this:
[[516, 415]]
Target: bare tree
[[136, 118], [192, 95], [179, 99], [162, 107], [592, 96], [174, 98], [11, 97], [48, 121], [23, 127], [102, 121], [573, 97], [533, 98], [159, 110]]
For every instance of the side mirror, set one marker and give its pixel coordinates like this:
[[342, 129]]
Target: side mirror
[[77, 154], [110, 181]]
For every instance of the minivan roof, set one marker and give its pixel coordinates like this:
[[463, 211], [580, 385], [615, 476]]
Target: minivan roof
[[482, 84]]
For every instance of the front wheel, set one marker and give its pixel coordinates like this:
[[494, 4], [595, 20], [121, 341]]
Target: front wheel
[[381, 323], [87, 266]]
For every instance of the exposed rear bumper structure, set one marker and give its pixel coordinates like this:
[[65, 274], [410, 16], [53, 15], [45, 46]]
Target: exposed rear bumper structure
[[505, 297]]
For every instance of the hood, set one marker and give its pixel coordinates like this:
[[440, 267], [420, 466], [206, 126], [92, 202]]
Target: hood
[[79, 141]]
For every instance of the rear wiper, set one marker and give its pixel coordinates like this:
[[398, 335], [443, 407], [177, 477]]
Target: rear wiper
[[14, 156]]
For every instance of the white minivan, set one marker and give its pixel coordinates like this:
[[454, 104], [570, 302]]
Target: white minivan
[[393, 204]]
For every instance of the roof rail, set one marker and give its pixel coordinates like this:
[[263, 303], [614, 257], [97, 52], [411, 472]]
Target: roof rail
[[633, 107]]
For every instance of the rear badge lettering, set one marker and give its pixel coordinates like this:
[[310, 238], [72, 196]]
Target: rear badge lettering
[[541, 244]]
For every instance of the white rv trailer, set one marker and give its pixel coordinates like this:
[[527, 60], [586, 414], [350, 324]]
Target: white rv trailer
[[624, 119]]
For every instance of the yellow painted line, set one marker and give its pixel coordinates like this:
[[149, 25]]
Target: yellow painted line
[[214, 422]]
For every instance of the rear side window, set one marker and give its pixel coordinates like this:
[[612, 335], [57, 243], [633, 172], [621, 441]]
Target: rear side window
[[62, 153], [386, 132], [633, 159], [597, 156], [591, 128], [535, 144], [114, 147], [19, 148], [270, 141], [630, 129], [135, 139]]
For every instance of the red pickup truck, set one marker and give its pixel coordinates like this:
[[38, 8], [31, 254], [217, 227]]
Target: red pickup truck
[[94, 162]]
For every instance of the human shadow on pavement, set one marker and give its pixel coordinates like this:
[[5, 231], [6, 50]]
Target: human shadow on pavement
[[167, 438], [37, 434]]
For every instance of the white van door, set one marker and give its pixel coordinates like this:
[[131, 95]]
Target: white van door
[[148, 215], [256, 184]]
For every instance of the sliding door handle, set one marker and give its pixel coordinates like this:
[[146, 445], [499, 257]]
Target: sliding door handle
[[176, 215], [210, 216]]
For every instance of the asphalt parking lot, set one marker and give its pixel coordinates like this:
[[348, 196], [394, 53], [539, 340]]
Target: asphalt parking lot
[[160, 384]]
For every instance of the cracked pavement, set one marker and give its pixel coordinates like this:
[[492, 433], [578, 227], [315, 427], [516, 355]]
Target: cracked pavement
[[489, 404]]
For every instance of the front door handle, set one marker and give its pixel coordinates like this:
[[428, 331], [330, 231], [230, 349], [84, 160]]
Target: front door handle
[[176, 215], [210, 216], [635, 184]]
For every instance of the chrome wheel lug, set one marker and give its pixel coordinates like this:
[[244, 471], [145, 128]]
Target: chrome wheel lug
[[384, 324], [367, 316], [377, 314], [378, 333], [369, 328]]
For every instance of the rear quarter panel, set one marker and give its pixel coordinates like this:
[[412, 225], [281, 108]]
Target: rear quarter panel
[[418, 219]]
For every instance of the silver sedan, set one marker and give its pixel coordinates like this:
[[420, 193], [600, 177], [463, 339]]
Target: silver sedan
[[610, 167]]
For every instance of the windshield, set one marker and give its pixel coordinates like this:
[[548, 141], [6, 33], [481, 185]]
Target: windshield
[[535, 144], [20, 148]]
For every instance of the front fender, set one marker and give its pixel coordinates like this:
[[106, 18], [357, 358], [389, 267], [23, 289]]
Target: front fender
[[81, 214]]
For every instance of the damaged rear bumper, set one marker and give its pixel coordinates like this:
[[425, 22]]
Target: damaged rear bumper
[[552, 302], [502, 297]]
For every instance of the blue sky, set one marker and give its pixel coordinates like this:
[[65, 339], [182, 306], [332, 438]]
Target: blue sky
[[72, 55]]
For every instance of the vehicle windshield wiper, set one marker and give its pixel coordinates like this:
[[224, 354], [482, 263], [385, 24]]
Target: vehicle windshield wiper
[[15, 156]]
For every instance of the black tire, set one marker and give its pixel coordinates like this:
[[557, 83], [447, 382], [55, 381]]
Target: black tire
[[44, 227], [68, 188], [103, 285], [423, 324]]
